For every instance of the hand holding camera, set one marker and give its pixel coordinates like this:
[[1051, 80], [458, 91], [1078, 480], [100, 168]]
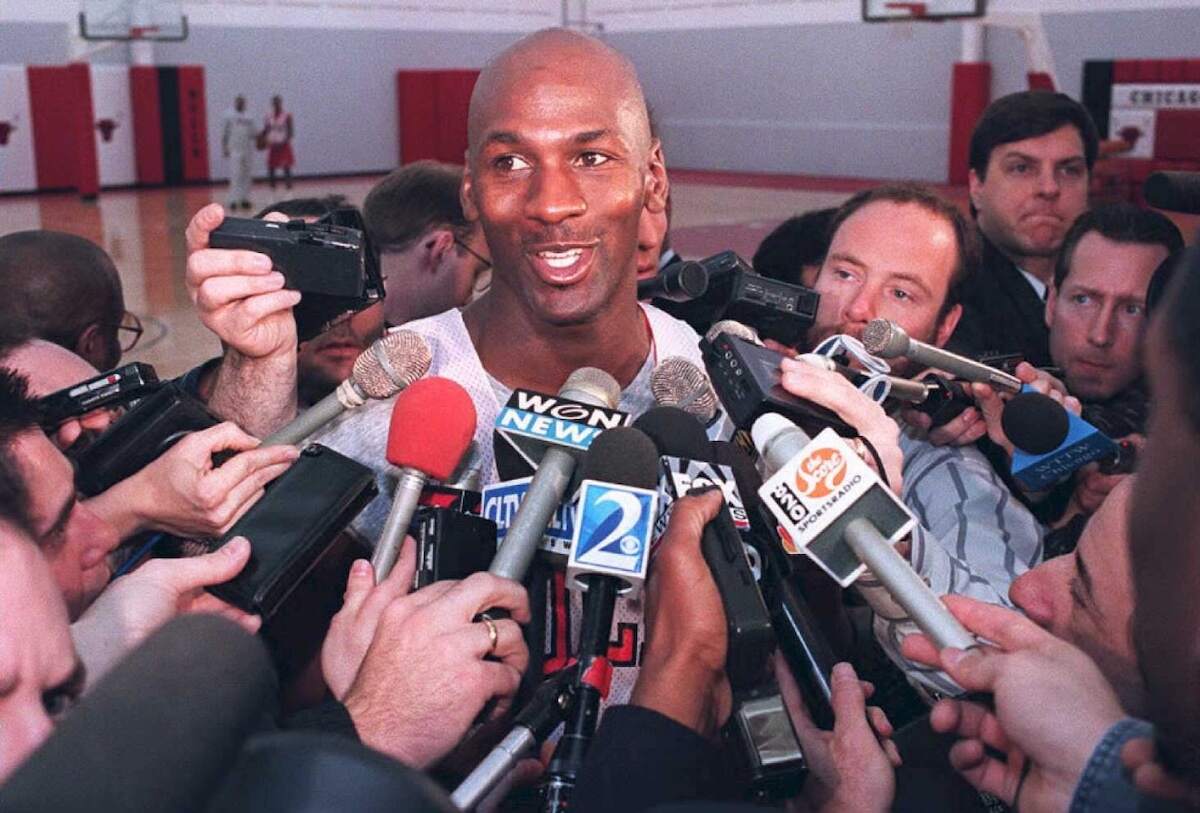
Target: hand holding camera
[[182, 492], [238, 294]]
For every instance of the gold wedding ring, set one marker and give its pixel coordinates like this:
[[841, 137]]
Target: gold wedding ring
[[493, 633]]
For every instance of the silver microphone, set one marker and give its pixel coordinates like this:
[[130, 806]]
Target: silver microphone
[[679, 383], [779, 440], [382, 370], [733, 328], [886, 339], [587, 385], [901, 389]]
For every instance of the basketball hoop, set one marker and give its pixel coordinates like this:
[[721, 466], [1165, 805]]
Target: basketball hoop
[[916, 11], [910, 11], [142, 32]]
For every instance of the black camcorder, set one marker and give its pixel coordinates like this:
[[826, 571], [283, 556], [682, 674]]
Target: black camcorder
[[724, 286], [120, 387], [138, 437], [746, 378], [331, 262]]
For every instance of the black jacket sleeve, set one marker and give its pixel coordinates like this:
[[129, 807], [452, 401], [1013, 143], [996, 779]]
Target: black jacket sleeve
[[640, 758], [329, 716]]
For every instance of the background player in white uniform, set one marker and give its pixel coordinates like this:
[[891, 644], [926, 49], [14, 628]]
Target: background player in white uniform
[[237, 144]]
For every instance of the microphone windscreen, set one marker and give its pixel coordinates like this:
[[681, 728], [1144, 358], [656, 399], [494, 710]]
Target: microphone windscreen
[[884, 338], [433, 423], [624, 456], [390, 364], [598, 387], [160, 731], [733, 328], [1035, 423], [678, 382], [675, 433], [1173, 191]]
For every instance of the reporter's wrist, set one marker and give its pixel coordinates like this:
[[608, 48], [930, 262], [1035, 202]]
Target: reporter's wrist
[[681, 687], [376, 732], [120, 507]]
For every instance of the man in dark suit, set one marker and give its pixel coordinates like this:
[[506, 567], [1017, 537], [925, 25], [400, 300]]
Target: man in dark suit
[[1031, 159]]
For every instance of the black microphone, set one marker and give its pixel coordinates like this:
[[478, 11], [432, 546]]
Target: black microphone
[[800, 637], [1174, 191], [610, 554], [678, 282], [681, 439], [1051, 443], [160, 731]]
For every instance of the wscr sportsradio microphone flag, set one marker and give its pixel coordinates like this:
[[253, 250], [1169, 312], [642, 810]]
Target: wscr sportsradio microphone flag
[[815, 488]]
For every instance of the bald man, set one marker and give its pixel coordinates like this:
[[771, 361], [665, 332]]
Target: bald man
[[561, 167], [64, 289]]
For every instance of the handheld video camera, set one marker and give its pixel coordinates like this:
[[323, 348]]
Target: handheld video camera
[[331, 262], [138, 437], [746, 378], [777, 310], [120, 387]]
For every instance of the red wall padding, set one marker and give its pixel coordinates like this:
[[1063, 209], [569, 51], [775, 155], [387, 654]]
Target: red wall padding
[[453, 97], [1177, 135], [147, 124], [416, 106], [193, 123], [432, 114], [60, 98], [970, 91]]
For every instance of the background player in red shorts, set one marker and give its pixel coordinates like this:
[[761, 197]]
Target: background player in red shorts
[[277, 132]]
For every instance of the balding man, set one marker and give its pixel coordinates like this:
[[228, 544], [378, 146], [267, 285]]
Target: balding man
[[66, 290], [561, 166]]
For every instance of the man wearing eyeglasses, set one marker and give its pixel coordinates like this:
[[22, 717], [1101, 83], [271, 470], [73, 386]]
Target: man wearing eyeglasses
[[66, 290], [431, 258]]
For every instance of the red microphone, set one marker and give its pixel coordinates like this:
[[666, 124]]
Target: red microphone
[[433, 423]]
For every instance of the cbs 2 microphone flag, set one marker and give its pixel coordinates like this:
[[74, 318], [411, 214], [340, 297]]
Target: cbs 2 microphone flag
[[614, 525]]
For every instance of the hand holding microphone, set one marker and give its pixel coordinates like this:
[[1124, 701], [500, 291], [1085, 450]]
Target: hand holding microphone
[[683, 668], [832, 391], [385, 368], [1032, 675], [844, 521], [431, 668], [433, 424], [353, 628]]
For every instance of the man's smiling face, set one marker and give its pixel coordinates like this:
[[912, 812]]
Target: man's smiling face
[[560, 168]]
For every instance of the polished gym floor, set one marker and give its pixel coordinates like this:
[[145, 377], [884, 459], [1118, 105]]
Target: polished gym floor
[[143, 231]]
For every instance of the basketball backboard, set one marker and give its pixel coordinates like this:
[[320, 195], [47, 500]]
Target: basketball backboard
[[161, 20], [885, 11]]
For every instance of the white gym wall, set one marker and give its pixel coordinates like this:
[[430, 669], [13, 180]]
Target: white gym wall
[[755, 86]]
